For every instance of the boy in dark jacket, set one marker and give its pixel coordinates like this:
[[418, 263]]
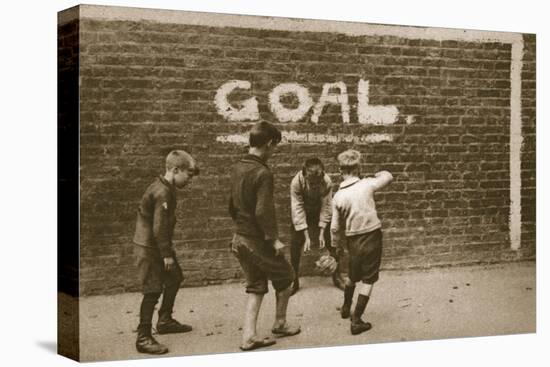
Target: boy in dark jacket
[[158, 270], [256, 241]]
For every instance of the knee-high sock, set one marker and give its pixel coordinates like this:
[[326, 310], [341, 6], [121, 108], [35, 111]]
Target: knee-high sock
[[362, 301], [146, 311], [348, 294], [168, 299]]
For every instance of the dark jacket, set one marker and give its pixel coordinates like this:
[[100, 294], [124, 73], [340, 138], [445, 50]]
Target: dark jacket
[[251, 202], [156, 217]]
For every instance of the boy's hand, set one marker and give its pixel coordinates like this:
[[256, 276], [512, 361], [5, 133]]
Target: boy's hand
[[382, 178], [307, 242], [169, 263], [278, 246], [321, 237]]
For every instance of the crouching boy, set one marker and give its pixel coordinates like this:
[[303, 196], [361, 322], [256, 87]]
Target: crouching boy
[[311, 210], [354, 216]]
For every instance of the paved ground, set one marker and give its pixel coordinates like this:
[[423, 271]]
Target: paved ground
[[406, 305]]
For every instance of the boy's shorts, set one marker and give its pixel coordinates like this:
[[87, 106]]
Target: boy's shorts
[[152, 274], [365, 255], [260, 264]]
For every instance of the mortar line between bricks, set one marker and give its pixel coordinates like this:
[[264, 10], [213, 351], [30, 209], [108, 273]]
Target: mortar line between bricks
[[176, 46], [253, 71], [443, 68], [308, 62]]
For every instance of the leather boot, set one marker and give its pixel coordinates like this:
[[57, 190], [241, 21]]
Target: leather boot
[[145, 343], [167, 325], [357, 325]]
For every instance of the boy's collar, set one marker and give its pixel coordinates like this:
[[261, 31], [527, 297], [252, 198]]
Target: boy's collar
[[165, 182], [255, 158], [349, 181]]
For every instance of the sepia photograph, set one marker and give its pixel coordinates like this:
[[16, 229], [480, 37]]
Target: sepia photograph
[[245, 183]]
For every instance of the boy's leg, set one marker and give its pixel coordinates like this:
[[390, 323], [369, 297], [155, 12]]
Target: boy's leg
[[253, 305], [349, 290], [256, 288], [281, 274], [146, 311], [150, 278], [337, 278], [350, 282], [145, 343], [168, 300], [166, 324], [296, 245], [357, 325], [364, 291], [366, 269], [280, 326], [281, 305]]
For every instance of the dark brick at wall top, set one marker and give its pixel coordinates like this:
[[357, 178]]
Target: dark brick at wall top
[[147, 88]]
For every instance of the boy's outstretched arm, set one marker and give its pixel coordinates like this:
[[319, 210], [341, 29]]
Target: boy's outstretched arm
[[381, 179]]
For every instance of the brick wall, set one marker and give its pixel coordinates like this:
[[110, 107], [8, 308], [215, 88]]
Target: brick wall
[[149, 87], [528, 159]]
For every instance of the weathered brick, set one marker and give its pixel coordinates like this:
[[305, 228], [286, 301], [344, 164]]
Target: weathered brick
[[147, 88]]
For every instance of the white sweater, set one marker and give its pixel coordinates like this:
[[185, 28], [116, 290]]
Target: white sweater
[[353, 207]]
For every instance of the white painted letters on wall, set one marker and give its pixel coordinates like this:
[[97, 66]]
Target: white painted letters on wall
[[249, 109], [284, 114], [375, 115], [327, 97]]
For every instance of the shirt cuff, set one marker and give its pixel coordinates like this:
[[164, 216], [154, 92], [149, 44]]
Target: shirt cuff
[[322, 225], [300, 227], [165, 250]]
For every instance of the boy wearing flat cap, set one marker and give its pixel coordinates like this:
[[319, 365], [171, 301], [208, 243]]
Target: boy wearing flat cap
[[354, 216], [158, 270]]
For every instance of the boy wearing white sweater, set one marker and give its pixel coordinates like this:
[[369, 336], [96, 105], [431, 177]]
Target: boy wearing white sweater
[[354, 216]]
